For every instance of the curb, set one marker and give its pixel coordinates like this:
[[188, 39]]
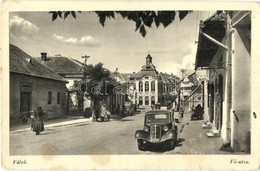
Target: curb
[[67, 123]]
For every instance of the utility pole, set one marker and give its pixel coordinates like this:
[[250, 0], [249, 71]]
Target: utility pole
[[183, 71], [85, 61], [83, 65], [179, 93]]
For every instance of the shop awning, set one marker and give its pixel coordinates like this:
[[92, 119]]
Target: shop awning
[[193, 92], [215, 28]]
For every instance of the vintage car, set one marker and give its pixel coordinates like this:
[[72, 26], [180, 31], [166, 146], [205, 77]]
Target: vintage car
[[160, 128], [197, 113]]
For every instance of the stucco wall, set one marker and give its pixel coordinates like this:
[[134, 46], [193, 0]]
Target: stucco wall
[[241, 96], [39, 95]]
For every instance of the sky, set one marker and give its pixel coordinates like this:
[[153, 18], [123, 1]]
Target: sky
[[116, 45]]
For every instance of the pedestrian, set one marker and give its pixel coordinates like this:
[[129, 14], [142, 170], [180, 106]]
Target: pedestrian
[[93, 115], [192, 110], [104, 113], [37, 124]]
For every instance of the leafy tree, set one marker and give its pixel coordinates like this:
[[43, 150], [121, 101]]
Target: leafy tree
[[142, 19], [98, 84]]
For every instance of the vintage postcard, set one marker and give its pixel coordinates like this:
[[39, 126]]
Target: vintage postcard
[[130, 85]]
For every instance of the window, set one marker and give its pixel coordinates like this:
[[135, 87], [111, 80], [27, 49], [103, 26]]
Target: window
[[153, 100], [169, 88], [165, 89], [146, 86], [146, 100], [58, 98], [157, 118], [216, 85], [49, 97], [140, 100], [152, 86], [140, 86]]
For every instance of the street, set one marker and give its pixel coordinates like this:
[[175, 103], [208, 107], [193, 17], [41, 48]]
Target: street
[[139, 86], [114, 137]]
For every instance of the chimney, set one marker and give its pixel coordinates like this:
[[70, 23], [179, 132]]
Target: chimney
[[43, 56]]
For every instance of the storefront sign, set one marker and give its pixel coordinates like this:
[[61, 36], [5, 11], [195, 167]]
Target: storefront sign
[[202, 74]]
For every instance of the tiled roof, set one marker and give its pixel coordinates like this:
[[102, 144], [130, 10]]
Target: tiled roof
[[127, 75], [168, 78], [118, 76], [22, 63], [63, 65], [147, 72]]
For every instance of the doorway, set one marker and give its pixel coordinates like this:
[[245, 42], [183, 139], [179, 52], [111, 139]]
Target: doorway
[[25, 101], [211, 101], [220, 106]]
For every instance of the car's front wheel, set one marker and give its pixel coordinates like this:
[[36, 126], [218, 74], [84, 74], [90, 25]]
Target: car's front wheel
[[172, 144], [140, 145]]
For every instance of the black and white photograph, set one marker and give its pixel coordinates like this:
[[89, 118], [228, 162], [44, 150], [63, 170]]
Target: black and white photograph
[[164, 83]]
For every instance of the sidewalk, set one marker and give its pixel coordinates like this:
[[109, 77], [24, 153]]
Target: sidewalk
[[194, 138], [69, 120], [51, 123]]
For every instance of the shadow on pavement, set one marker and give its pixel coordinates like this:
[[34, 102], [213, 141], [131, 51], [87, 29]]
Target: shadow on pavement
[[158, 149], [179, 142], [125, 120], [137, 112], [47, 133]]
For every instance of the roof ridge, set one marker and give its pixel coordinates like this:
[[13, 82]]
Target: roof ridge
[[73, 60], [62, 79], [49, 69], [76, 62], [35, 63]]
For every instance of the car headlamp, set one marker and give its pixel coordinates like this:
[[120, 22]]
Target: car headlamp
[[165, 128], [146, 128]]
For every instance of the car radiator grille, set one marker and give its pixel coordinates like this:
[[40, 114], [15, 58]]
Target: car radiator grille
[[155, 132]]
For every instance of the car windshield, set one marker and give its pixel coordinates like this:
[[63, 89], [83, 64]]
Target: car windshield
[[157, 118]]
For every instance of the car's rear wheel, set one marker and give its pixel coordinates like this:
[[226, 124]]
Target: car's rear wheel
[[140, 145]]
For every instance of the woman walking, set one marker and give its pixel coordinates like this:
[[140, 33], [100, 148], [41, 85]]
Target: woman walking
[[37, 125]]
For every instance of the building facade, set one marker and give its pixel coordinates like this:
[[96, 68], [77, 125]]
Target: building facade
[[191, 92], [73, 72], [147, 84], [224, 50], [33, 85], [117, 100], [153, 87]]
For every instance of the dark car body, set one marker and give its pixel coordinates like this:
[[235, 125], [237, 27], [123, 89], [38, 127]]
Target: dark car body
[[197, 113], [159, 128]]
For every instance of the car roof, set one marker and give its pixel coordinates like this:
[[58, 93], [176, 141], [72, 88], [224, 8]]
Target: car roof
[[157, 112]]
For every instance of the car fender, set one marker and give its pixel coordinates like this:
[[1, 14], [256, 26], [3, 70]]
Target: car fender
[[141, 134], [170, 135]]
